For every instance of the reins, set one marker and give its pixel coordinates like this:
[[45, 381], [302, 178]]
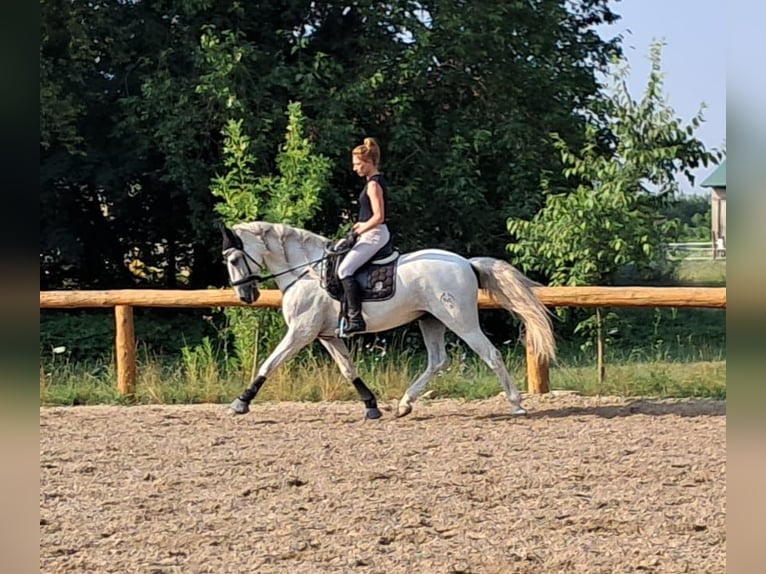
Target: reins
[[259, 278]]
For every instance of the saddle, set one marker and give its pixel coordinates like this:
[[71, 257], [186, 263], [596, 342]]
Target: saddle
[[377, 277]]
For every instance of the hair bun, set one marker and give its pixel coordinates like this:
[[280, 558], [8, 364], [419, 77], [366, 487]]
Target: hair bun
[[368, 151]]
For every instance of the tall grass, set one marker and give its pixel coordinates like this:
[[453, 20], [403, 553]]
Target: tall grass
[[204, 375]]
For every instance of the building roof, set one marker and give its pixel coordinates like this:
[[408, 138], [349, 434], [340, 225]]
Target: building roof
[[717, 178]]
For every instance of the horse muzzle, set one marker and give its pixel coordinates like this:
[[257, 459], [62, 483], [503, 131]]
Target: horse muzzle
[[248, 293]]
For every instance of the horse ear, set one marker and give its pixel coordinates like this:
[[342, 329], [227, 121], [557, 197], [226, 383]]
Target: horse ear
[[230, 239]]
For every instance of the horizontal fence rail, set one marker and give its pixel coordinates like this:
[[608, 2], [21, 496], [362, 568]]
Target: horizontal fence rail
[[695, 251], [123, 301], [714, 297]]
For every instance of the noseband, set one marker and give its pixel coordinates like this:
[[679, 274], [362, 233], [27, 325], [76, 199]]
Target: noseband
[[256, 277]]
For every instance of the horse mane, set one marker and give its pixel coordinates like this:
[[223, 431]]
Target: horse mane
[[271, 235], [280, 231]]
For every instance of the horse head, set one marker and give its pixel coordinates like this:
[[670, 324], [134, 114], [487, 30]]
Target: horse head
[[242, 276]]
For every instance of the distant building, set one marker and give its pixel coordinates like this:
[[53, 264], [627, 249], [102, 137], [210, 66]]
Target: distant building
[[717, 182]]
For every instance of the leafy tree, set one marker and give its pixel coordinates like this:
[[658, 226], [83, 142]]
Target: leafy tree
[[625, 170], [133, 95], [474, 96], [693, 215], [237, 186]]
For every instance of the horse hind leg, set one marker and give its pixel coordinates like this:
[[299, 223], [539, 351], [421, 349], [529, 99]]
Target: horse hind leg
[[491, 356], [433, 336]]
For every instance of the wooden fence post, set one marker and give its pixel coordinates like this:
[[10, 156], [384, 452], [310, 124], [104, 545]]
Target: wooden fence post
[[125, 349], [538, 377]]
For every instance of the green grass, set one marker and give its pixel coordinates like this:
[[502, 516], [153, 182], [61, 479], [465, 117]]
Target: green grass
[[659, 379], [198, 377], [710, 272]]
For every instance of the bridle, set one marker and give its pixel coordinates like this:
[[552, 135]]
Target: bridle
[[250, 275], [257, 277]]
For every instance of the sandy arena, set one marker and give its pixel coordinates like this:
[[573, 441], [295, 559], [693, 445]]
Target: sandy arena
[[578, 485]]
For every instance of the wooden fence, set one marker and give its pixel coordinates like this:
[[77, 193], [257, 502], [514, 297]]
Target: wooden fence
[[124, 300], [694, 251]]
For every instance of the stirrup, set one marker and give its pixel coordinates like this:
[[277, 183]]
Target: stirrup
[[343, 330], [360, 328]]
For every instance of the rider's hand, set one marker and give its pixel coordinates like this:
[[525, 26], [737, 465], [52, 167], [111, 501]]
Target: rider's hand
[[347, 242], [343, 245]]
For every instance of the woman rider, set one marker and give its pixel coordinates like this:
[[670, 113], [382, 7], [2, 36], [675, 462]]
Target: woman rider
[[370, 231]]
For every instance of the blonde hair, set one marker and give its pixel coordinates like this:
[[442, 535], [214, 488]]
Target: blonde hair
[[368, 151]]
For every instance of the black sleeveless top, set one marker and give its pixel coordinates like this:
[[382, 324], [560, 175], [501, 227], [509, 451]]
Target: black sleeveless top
[[365, 207]]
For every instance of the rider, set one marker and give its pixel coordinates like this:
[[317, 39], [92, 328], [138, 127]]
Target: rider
[[370, 232]]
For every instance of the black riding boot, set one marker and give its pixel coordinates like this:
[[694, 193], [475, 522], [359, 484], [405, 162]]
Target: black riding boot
[[353, 293]]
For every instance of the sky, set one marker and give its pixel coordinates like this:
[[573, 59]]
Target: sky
[[693, 61]]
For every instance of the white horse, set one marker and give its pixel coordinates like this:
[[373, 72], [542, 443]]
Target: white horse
[[436, 287]]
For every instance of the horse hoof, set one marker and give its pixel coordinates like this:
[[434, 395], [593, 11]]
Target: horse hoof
[[518, 411], [239, 407], [403, 411], [373, 414]]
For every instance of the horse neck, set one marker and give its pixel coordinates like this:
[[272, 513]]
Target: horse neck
[[287, 252]]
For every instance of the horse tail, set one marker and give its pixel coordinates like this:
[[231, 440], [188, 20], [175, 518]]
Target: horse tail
[[513, 290]]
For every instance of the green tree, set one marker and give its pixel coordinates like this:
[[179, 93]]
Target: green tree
[[693, 214], [474, 96], [133, 95], [625, 170]]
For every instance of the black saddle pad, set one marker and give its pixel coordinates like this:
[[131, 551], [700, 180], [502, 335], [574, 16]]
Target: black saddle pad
[[378, 280]]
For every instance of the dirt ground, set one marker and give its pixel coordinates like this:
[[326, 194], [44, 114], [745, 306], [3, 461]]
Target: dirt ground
[[578, 485]]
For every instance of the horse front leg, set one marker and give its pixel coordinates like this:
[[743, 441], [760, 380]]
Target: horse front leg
[[291, 343], [339, 352]]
